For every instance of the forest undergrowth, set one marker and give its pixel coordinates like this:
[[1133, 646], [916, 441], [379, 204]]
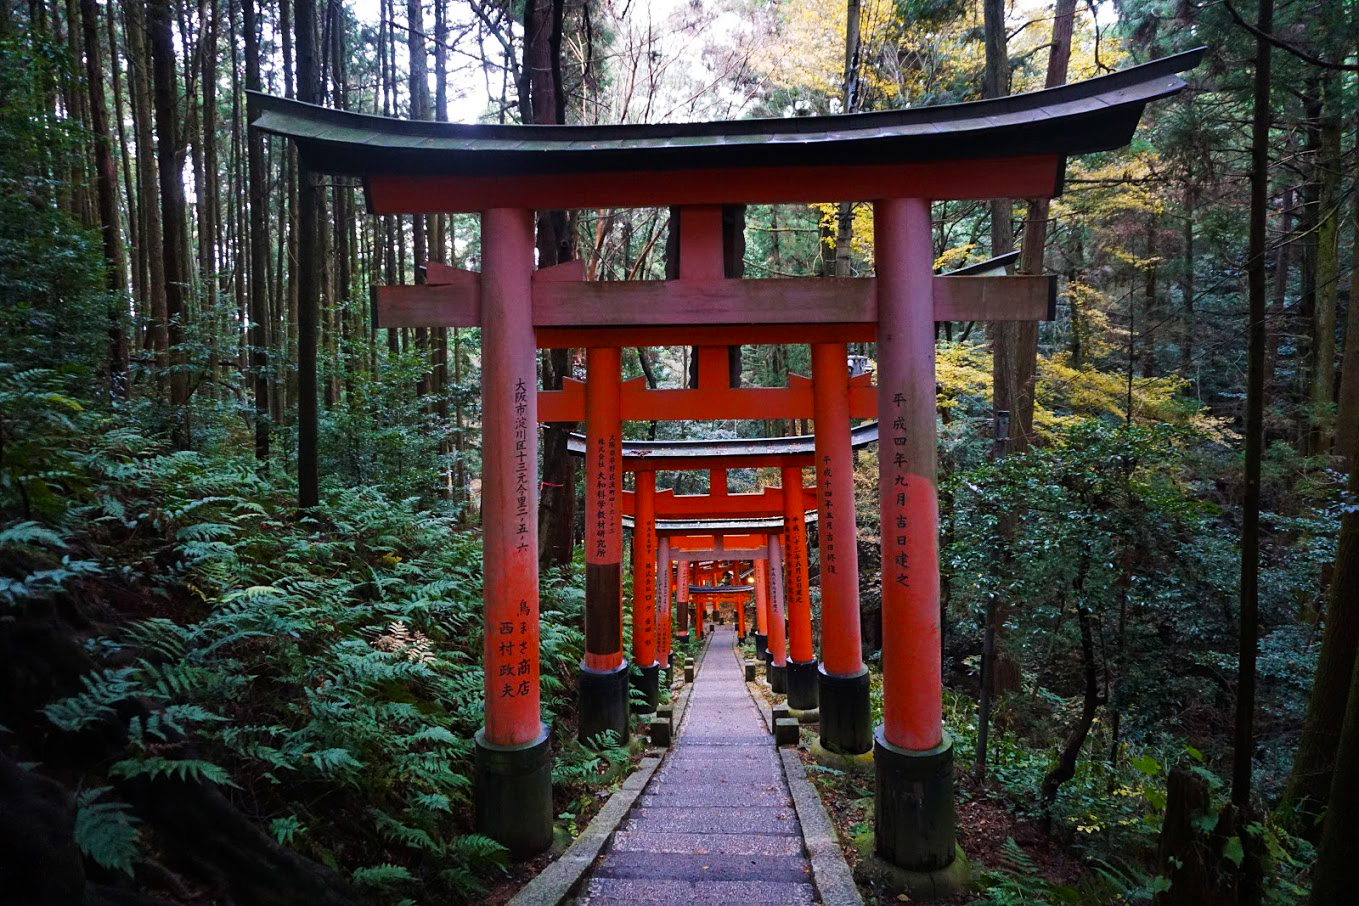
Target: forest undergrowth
[[322, 675]]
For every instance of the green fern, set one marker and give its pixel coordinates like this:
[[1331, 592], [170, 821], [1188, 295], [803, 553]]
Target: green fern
[[381, 877], [185, 769], [106, 831]]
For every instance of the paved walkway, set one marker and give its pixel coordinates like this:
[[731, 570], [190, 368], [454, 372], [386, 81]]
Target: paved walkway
[[716, 823]]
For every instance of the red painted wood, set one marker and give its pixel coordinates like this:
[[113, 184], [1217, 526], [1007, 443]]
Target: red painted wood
[[665, 596], [509, 483], [603, 520], [644, 572], [1035, 176], [641, 404], [912, 697], [778, 632], [796, 578], [841, 649], [561, 301], [767, 503]]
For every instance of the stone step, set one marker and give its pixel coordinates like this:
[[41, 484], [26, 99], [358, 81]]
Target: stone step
[[605, 891], [701, 867], [721, 820], [717, 844]]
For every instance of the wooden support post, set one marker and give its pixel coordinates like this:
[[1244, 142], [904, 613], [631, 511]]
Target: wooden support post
[[846, 718], [682, 580], [513, 760], [802, 663], [664, 589], [914, 812], [778, 635], [604, 673], [762, 610], [644, 591]]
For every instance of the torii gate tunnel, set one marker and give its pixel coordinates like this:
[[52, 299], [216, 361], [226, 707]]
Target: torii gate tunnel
[[900, 160]]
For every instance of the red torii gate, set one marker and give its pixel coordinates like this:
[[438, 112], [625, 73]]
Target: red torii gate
[[1002, 148]]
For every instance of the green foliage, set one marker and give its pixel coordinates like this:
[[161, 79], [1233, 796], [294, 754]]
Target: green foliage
[[106, 831]]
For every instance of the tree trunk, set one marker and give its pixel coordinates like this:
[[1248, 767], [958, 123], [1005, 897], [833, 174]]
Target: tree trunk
[[106, 185], [1336, 873], [1244, 743], [544, 103], [148, 189], [1327, 273], [1347, 410], [1091, 700], [259, 245], [170, 164], [308, 271], [1315, 763]]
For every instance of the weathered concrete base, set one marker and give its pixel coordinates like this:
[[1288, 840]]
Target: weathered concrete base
[[806, 717], [603, 702], [846, 712], [950, 881], [779, 712], [660, 732], [688, 670], [778, 679], [750, 671], [803, 685], [761, 646], [913, 814], [786, 731], [860, 763], [553, 884], [513, 793], [648, 682]]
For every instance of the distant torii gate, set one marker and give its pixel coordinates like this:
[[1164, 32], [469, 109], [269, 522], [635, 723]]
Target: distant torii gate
[[1012, 147]]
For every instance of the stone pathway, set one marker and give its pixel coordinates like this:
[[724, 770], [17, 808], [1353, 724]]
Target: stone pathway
[[716, 823]]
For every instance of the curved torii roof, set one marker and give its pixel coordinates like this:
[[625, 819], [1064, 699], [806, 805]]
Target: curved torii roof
[[412, 166]]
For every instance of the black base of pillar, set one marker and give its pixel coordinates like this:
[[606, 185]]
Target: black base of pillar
[[802, 685], [846, 714], [648, 682], [761, 646], [913, 814], [778, 678], [602, 699], [512, 794]]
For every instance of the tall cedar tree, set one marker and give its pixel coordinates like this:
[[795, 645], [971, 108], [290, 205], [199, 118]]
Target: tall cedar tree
[[309, 269]]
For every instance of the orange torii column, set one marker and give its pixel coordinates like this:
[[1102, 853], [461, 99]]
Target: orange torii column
[[513, 782], [647, 680], [778, 640], [664, 621], [603, 691], [846, 715], [914, 816], [682, 580], [761, 613], [802, 663]]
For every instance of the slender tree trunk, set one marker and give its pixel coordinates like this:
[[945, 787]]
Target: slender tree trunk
[[106, 185], [259, 245], [1244, 745], [1347, 410], [170, 164], [148, 189], [309, 283], [1327, 272]]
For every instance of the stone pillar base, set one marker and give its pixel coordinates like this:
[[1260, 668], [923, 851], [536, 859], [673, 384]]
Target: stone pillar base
[[778, 678], [603, 702], [846, 714], [513, 793], [802, 685], [920, 886], [761, 646], [648, 682], [913, 817]]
